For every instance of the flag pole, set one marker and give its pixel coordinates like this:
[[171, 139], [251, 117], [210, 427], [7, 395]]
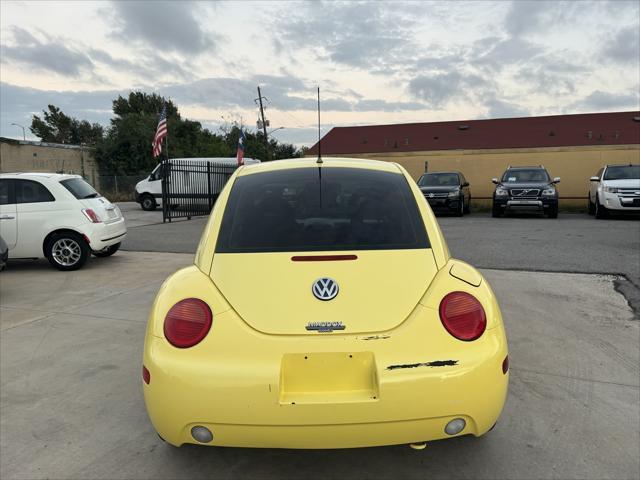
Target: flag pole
[[166, 137]]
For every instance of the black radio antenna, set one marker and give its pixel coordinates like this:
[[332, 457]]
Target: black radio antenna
[[319, 144]]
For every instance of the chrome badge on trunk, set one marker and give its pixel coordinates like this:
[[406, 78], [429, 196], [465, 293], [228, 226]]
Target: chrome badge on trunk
[[325, 289], [325, 326]]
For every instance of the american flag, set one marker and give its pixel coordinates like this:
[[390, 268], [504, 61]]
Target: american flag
[[161, 132], [240, 152]]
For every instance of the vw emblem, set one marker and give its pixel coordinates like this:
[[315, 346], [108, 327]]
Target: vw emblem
[[431, 195], [325, 289]]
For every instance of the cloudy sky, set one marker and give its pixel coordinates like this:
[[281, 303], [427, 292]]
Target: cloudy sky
[[375, 62]]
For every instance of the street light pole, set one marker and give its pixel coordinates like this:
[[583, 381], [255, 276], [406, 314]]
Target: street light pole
[[23, 135], [275, 130]]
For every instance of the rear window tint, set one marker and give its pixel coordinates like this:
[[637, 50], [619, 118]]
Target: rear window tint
[[29, 191], [79, 188], [4, 192], [327, 208]]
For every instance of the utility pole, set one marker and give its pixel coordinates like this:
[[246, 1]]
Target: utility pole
[[264, 123]]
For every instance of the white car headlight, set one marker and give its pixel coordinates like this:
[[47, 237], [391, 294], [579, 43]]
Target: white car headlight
[[610, 189], [501, 192], [549, 192], [455, 193]]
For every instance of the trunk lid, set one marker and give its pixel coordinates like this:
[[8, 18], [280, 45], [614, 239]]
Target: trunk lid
[[106, 210], [273, 293]]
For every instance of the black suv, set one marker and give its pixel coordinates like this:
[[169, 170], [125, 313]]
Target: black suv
[[526, 189], [446, 192]]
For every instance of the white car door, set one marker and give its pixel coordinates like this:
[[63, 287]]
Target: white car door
[[8, 214], [35, 206]]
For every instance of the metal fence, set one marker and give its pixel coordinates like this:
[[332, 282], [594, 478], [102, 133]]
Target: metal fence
[[190, 188]]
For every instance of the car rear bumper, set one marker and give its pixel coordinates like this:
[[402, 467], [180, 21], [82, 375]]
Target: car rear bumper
[[103, 235], [246, 399]]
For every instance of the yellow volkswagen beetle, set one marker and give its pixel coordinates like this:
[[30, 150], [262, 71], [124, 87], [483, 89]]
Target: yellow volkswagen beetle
[[323, 310]]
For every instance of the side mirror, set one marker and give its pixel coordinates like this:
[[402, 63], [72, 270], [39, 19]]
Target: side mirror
[[594, 179], [465, 184], [495, 180], [556, 180]]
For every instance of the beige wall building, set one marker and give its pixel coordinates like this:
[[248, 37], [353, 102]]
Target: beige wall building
[[27, 156], [572, 147]]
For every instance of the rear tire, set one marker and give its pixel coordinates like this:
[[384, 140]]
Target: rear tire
[[601, 211], [460, 211], [107, 252], [148, 202], [67, 251]]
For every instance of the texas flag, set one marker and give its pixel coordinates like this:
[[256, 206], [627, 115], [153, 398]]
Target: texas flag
[[240, 152]]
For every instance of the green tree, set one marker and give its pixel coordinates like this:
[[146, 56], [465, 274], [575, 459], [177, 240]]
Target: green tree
[[56, 127], [255, 146], [126, 149]]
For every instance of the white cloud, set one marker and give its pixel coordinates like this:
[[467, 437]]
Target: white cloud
[[376, 62]]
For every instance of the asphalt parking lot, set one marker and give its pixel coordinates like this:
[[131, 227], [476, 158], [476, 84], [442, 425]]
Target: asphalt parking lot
[[71, 347]]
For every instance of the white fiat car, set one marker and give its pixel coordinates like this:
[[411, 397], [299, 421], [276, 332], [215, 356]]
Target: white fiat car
[[60, 217], [615, 188]]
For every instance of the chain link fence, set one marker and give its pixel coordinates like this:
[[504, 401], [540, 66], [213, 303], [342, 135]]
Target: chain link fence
[[118, 188]]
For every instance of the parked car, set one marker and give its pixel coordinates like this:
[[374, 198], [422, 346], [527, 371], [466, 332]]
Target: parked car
[[323, 311], [60, 217], [615, 188], [446, 192], [525, 189], [4, 254], [148, 192]]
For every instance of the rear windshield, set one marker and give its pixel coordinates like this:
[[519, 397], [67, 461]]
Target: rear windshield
[[327, 208], [533, 175], [439, 180], [625, 172], [79, 188]]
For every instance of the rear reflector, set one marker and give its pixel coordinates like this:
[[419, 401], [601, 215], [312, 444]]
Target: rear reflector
[[146, 375], [463, 316], [201, 434], [187, 323], [322, 258], [505, 365]]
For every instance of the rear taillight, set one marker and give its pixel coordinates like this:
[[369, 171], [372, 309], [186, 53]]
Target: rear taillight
[[91, 215], [187, 323], [463, 316]]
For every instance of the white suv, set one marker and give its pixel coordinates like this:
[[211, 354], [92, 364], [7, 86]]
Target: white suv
[[615, 187], [60, 217]]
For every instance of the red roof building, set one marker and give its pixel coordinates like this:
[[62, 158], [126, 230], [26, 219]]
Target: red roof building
[[590, 129]]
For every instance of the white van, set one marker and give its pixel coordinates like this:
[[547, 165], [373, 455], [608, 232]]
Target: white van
[[149, 191]]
